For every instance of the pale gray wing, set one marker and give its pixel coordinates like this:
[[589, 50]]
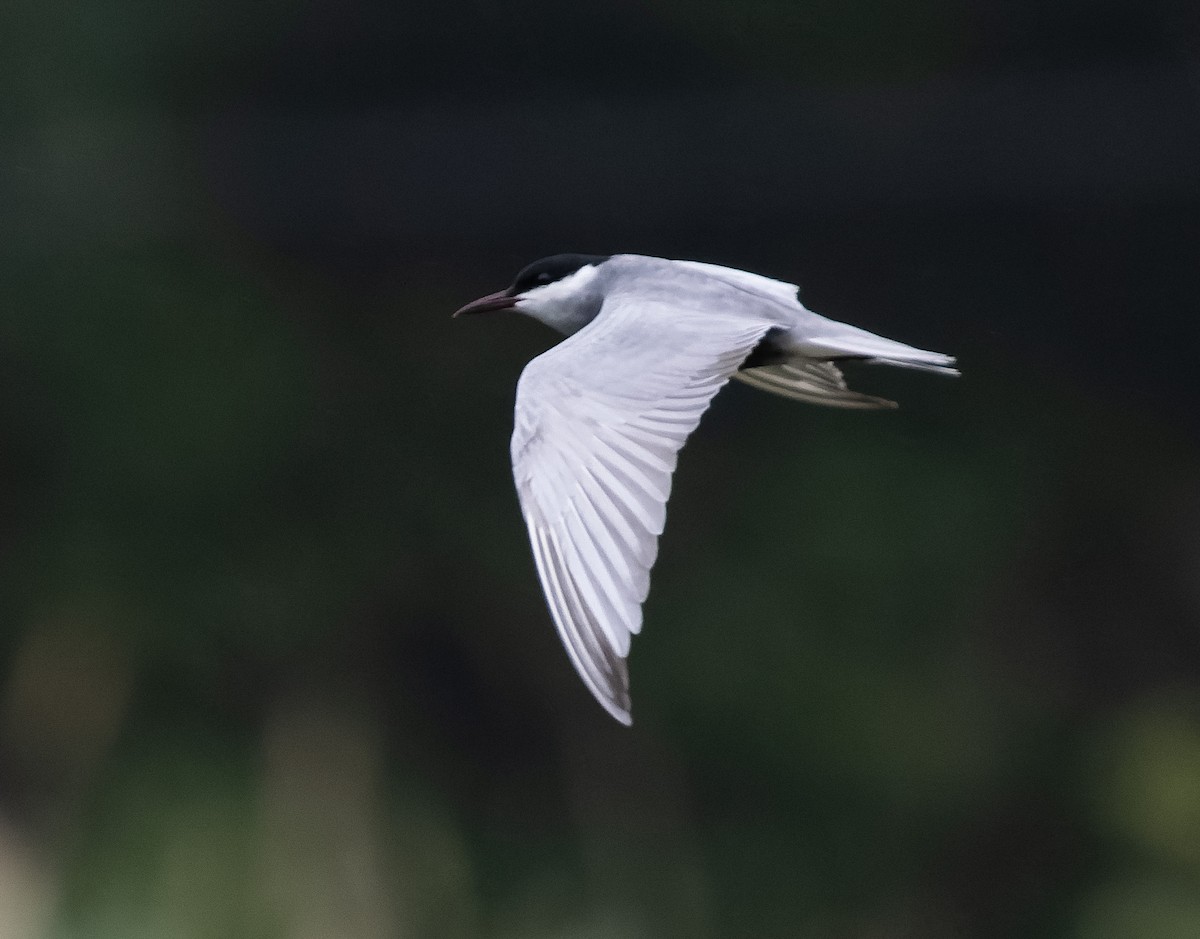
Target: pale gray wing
[[788, 294], [600, 419]]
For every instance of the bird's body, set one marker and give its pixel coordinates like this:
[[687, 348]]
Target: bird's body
[[600, 417]]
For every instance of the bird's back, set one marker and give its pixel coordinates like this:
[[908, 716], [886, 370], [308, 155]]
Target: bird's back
[[695, 288]]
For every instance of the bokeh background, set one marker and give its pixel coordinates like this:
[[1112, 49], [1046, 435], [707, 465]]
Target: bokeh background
[[273, 658]]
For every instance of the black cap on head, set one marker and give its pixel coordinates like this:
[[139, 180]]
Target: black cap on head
[[548, 270]]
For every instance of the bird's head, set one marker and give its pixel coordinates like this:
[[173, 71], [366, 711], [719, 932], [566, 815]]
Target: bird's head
[[560, 291]]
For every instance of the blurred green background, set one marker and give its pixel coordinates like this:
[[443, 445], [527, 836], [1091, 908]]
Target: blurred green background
[[273, 657]]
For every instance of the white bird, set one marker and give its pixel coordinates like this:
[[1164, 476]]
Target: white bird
[[601, 417]]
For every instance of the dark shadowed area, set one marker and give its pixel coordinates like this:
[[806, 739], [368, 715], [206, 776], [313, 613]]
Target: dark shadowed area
[[274, 661]]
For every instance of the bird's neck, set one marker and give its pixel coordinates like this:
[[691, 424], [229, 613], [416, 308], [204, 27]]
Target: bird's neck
[[567, 320]]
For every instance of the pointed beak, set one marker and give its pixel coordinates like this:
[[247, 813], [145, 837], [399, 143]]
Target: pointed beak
[[492, 302]]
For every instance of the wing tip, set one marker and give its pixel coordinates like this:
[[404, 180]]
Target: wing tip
[[614, 697], [622, 714]]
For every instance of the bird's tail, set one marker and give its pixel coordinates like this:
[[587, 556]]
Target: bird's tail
[[935, 362], [850, 342]]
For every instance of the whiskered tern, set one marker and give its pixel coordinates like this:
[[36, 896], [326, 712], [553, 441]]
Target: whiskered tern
[[601, 417]]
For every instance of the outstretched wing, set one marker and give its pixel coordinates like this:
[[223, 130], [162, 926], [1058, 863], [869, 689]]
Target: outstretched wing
[[600, 419]]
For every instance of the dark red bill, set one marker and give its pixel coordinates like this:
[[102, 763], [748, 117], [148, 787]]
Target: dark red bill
[[492, 302]]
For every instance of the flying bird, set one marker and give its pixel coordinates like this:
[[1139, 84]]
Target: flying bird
[[601, 417]]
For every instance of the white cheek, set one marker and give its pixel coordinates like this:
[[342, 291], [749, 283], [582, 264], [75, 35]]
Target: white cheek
[[534, 300], [564, 305]]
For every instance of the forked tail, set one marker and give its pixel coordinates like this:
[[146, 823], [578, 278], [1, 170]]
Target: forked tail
[[850, 342]]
